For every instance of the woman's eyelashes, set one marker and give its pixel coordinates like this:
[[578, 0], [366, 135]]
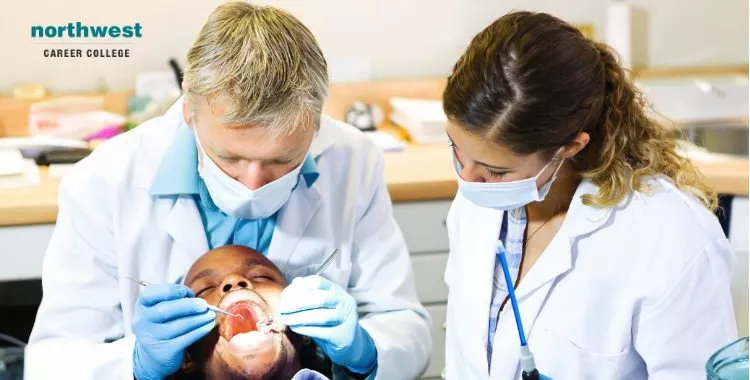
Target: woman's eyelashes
[[494, 174]]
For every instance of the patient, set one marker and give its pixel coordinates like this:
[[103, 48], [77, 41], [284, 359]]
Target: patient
[[242, 281]]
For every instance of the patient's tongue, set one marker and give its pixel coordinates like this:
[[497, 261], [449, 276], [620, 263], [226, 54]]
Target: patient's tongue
[[238, 325]]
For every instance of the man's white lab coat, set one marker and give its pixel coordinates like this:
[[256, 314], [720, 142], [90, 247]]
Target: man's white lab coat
[[110, 226]]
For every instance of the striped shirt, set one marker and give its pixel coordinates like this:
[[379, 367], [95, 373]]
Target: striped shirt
[[511, 238]]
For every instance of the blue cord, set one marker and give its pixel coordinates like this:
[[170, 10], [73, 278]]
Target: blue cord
[[512, 295]]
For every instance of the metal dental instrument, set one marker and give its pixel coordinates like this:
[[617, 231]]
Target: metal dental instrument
[[210, 307], [328, 261], [269, 323]]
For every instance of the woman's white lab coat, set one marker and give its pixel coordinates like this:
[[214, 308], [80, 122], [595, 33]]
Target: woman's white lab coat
[[638, 291], [110, 226]]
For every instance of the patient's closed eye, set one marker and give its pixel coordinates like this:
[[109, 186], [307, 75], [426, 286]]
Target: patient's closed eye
[[204, 290]]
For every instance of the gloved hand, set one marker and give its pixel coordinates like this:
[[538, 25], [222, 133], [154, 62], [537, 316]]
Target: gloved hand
[[322, 310], [168, 319]]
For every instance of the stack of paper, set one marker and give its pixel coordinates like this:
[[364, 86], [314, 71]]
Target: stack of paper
[[15, 170], [385, 141], [424, 120]]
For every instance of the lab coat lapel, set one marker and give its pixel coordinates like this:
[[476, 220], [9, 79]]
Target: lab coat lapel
[[557, 257], [185, 227], [477, 272], [533, 290], [292, 222]]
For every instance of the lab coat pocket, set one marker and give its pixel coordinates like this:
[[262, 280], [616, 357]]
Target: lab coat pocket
[[561, 358]]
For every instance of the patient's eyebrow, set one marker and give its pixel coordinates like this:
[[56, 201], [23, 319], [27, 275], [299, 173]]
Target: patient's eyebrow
[[257, 261], [252, 261], [204, 273]]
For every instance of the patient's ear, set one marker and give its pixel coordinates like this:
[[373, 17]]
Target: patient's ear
[[187, 371], [188, 365]]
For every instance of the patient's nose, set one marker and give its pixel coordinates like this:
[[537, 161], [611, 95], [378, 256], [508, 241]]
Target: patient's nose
[[234, 282]]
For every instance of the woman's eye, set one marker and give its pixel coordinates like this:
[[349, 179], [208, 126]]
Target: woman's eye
[[495, 175], [204, 290]]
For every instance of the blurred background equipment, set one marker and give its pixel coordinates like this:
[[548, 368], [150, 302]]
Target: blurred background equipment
[[424, 120], [367, 118], [364, 116]]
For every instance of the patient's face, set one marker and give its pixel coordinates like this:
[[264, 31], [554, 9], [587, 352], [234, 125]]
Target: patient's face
[[241, 281]]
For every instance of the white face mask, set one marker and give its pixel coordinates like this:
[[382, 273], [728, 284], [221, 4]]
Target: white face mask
[[504, 195], [238, 200]]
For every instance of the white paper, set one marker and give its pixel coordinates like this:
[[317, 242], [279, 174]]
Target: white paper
[[423, 119], [11, 162], [385, 141], [69, 125], [40, 142], [419, 109], [157, 85], [29, 176]]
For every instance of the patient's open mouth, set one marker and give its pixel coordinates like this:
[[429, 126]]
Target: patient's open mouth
[[252, 330], [249, 314]]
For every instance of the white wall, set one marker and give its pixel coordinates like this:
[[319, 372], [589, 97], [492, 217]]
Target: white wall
[[423, 39]]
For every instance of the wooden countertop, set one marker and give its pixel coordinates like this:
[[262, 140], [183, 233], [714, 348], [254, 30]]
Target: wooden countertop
[[420, 173]]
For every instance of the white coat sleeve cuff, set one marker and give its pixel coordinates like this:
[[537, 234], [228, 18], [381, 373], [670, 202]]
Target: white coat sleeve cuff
[[404, 326], [76, 359], [116, 358]]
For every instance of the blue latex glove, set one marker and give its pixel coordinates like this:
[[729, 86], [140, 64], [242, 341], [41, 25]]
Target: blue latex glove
[[168, 319], [322, 310], [542, 377]]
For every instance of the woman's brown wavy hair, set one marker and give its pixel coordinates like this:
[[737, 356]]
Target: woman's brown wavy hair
[[532, 83]]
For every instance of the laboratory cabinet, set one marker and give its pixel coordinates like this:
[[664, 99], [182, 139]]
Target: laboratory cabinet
[[22, 250], [424, 229]]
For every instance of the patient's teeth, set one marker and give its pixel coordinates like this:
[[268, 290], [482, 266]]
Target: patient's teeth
[[268, 325]]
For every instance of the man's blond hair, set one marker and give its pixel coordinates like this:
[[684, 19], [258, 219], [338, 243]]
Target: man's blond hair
[[262, 62]]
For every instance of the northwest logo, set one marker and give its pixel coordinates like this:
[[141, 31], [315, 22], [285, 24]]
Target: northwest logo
[[80, 30]]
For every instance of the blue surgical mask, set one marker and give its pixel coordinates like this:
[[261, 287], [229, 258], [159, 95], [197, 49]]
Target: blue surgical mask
[[504, 195], [236, 199]]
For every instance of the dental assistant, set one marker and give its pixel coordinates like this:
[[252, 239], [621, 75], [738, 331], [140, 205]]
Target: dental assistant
[[246, 158], [620, 268]]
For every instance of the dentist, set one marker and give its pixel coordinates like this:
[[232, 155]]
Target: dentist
[[244, 158], [619, 266]]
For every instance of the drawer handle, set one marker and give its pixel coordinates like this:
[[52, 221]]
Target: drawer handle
[[445, 222], [445, 326]]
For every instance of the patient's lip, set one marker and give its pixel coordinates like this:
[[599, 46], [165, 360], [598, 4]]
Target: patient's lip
[[241, 295]]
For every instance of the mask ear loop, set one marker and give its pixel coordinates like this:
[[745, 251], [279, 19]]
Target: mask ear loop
[[547, 185], [198, 145], [550, 163]]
